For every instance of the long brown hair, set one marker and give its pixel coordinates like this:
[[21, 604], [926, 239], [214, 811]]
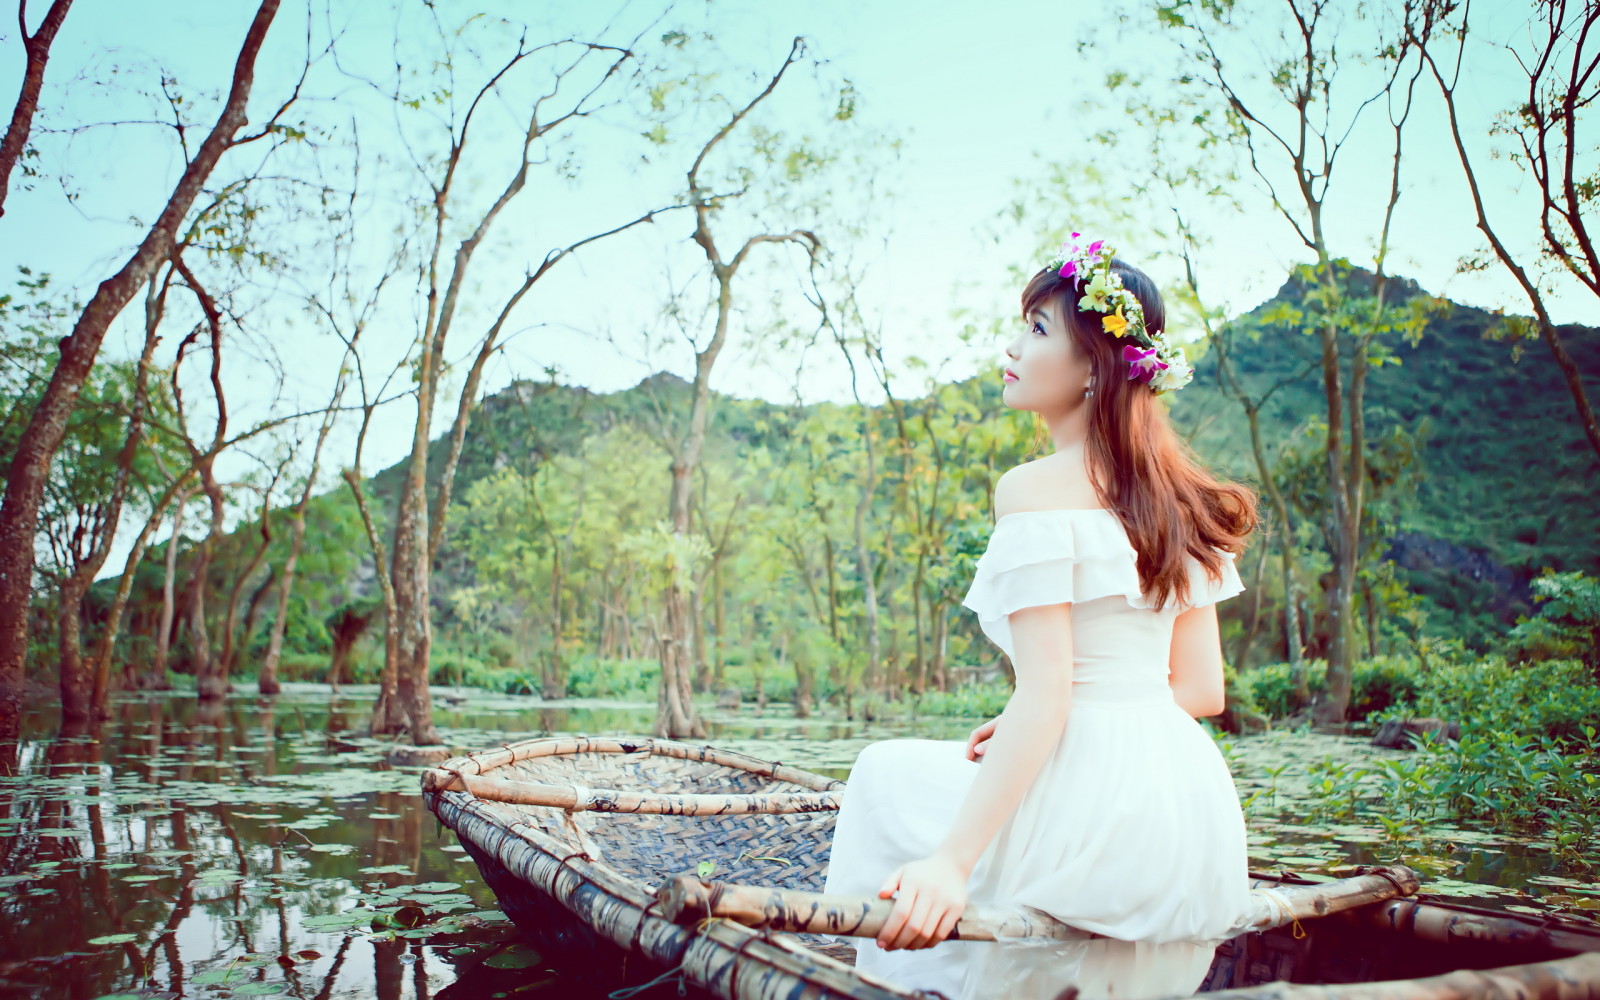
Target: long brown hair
[[1168, 501]]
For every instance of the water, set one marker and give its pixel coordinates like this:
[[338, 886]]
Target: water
[[256, 848]]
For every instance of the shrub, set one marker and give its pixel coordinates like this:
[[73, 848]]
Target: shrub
[[1555, 698], [1375, 685], [986, 699], [596, 677]]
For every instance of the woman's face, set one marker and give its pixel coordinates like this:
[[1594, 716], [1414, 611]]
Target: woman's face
[[1050, 372]]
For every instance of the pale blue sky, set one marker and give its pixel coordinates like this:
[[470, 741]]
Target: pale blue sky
[[982, 97]]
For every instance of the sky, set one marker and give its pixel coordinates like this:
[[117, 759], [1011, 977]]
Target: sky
[[960, 108]]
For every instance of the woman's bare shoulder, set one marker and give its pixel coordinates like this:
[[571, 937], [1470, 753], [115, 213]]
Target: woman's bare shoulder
[[1043, 484]]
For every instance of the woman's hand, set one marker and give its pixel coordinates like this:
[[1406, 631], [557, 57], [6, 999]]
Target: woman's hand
[[979, 737], [932, 895]]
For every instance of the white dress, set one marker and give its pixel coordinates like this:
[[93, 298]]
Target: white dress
[[1133, 827]]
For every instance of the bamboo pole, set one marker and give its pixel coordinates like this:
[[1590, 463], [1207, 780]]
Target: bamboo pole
[[1574, 978], [685, 898], [562, 746], [581, 798], [1437, 920]]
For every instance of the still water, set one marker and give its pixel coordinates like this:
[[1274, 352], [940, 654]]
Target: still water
[[256, 848]]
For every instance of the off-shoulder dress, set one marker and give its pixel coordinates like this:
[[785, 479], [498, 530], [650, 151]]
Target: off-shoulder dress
[[1133, 827]]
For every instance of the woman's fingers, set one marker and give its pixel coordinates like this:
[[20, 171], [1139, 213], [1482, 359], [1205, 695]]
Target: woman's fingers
[[897, 919], [924, 921], [978, 737], [910, 930], [946, 925]]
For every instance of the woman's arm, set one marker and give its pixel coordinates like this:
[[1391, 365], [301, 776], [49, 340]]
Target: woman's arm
[[1195, 664], [1026, 733]]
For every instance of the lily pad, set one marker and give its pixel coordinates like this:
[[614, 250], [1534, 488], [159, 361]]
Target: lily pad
[[515, 957]]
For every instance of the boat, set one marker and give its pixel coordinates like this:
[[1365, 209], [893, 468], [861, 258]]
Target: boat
[[708, 864]]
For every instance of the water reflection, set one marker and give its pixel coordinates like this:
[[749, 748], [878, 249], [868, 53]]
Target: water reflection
[[255, 847]]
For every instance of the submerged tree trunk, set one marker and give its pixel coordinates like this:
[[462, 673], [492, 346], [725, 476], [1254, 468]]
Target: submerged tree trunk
[[77, 691]]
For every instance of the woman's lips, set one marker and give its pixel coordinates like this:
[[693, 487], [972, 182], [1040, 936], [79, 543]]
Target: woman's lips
[[1009, 376]]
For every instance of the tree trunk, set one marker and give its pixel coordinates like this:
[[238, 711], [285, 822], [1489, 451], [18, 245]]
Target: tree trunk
[[385, 714], [252, 610], [77, 693], [267, 679], [211, 680], [36, 446], [1330, 710], [675, 713], [164, 633], [413, 707], [231, 641]]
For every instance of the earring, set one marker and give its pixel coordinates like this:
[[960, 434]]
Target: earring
[[1089, 391]]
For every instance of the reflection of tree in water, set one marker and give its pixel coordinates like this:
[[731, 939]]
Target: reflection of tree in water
[[268, 757], [397, 841], [168, 938], [172, 790]]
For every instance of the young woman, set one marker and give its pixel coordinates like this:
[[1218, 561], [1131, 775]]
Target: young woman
[[1095, 796]]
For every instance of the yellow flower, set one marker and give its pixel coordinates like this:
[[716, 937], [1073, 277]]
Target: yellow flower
[[1117, 324]]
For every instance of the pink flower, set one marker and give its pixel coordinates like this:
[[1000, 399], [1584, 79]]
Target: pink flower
[[1142, 364], [1069, 268], [1094, 247]]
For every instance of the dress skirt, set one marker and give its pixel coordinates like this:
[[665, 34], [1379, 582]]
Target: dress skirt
[[1132, 829]]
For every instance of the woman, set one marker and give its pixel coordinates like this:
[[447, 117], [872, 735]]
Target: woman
[[1095, 796]]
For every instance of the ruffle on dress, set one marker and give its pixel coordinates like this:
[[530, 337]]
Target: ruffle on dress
[[1072, 554]]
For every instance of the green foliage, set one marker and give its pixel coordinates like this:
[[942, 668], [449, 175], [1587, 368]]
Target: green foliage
[[1567, 623], [1376, 685], [1500, 775], [76, 498], [1555, 698], [594, 677], [984, 700], [1526, 756]]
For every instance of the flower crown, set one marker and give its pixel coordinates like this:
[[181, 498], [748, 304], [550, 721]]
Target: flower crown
[[1158, 364]]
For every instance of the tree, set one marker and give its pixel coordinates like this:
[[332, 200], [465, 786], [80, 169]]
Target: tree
[[675, 711], [104, 454], [1562, 84], [404, 703], [95, 473], [267, 678], [1294, 145], [29, 470]]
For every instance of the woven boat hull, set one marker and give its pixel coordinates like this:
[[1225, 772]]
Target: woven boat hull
[[635, 812]]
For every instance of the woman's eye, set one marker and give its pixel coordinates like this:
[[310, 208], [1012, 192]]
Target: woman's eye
[[1037, 328]]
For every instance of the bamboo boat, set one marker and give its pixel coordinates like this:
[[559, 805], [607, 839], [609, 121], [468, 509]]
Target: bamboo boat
[[620, 832]]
